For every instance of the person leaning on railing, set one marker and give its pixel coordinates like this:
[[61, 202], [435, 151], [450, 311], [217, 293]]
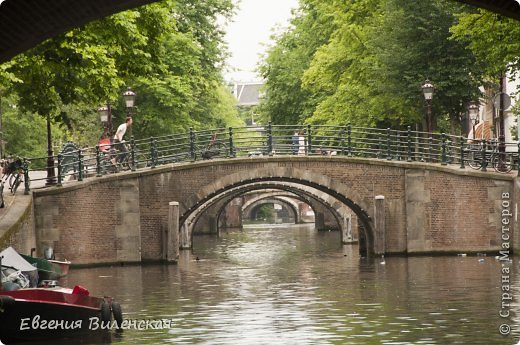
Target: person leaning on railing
[[119, 143]]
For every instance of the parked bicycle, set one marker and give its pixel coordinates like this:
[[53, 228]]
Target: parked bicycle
[[214, 148], [13, 174], [500, 161]]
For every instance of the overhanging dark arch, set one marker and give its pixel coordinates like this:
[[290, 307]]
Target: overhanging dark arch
[[26, 23]]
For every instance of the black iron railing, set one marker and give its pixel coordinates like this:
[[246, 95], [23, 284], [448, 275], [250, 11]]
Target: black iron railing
[[299, 140]]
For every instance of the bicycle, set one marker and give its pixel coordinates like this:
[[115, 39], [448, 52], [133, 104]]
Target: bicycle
[[502, 162], [213, 149], [13, 175], [109, 155]]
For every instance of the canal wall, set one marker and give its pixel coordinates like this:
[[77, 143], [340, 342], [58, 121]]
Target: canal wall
[[17, 223], [428, 209]]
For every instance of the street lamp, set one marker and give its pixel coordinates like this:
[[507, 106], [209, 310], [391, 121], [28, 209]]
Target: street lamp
[[473, 115], [129, 98], [105, 115], [428, 89]]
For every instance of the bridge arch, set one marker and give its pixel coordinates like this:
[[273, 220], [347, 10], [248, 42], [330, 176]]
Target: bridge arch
[[226, 188], [290, 205]]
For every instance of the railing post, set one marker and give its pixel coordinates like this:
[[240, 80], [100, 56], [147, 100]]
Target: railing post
[[269, 139], [443, 149], [518, 159], [409, 143], [388, 150], [231, 148], [60, 177], [349, 140], [430, 149], [484, 157], [380, 147], [98, 162], [192, 144], [153, 154], [398, 144], [309, 140], [26, 176], [132, 153], [80, 166], [462, 166], [342, 134]]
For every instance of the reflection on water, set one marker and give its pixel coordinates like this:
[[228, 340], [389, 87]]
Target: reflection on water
[[297, 286]]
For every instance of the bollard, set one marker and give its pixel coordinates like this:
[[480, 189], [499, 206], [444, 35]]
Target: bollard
[[171, 245]]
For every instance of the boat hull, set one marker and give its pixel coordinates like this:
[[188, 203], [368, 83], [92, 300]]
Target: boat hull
[[31, 314]]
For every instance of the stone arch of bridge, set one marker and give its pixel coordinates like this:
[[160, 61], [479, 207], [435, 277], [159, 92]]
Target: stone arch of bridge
[[311, 196], [291, 209], [308, 195], [287, 199], [231, 185]]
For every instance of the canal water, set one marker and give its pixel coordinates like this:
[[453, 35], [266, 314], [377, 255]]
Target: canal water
[[294, 285]]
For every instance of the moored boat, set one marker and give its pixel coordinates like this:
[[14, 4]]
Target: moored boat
[[46, 270], [62, 265]]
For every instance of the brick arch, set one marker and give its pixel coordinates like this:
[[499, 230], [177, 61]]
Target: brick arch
[[217, 190], [290, 205], [304, 177], [334, 206]]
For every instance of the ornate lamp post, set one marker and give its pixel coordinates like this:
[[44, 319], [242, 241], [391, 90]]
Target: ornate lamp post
[[51, 174], [129, 98], [428, 89], [105, 115], [473, 115]]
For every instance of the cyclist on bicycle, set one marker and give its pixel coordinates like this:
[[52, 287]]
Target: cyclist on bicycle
[[119, 143]]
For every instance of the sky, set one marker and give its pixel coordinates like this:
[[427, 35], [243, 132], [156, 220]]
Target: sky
[[248, 32]]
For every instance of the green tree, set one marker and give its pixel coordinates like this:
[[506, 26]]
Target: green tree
[[169, 52], [285, 101]]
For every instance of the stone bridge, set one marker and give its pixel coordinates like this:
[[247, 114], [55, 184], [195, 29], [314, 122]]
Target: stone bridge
[[401, 207]]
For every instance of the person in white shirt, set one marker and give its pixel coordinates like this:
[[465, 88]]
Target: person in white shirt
[[118, 139]]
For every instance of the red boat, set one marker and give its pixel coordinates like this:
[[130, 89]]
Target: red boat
[[39, 313]]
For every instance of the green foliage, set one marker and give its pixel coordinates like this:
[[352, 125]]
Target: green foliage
[[285, 101], [170, 52], [493, 39], [363, 62]]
